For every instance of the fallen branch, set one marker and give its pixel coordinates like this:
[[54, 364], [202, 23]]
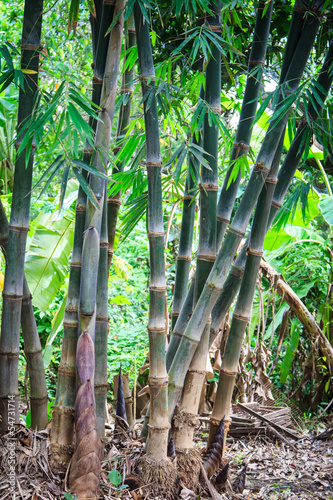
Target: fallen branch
[[300, 311]]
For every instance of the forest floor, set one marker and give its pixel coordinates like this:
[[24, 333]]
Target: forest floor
[[275, 470]]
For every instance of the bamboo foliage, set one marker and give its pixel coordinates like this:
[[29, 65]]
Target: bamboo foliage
[[239, 224], [19, 218], [158, 379]]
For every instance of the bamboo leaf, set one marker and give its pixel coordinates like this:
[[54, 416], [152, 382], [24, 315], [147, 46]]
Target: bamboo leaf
[[49, 170], [90, 169], [86, 188], [63, 187], [73, 15]]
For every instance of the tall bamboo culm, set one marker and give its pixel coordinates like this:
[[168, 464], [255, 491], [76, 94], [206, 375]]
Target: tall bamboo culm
[[109, 224], [19, 222], [158, 379], [235, 234], [243, 307]]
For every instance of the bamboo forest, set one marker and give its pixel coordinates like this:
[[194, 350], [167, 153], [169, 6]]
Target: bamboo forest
[[166, 267]]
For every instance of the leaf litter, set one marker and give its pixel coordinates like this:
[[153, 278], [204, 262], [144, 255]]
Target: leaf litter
[[274, 470]]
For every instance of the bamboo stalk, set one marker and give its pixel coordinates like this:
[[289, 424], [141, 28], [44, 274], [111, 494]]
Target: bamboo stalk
[[158, 379], [110, 214], [237, 229], [242, 141], [32, 346], [19, 221]]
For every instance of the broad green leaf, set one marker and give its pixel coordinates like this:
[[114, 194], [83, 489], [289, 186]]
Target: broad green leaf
[[326, 208], [47, 260]]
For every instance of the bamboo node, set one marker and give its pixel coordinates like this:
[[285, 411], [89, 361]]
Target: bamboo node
[[271, 180], [154, 288], [237, 271], [260, 165], [188, 197], [104, 244], [209, 186], [19, 229], [256, 253], [276, 204], [206, 258], [214, 421], [12, 297], [97, 80], [223, 219], [236, 232], [241, 146], [62, 410], [153, 164], [215, 28], [146, 78], [256, 63], [158, 381], [156, 329], [126, 90], [114, 201], [88, 151], [131, 30], [31, 47], [228, 373], [159, 428], [156, 234], [200, 372], [184, 257], [36, 398], [245, 319]]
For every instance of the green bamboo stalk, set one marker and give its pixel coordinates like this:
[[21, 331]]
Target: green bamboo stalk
[[236, 232], [158, 379], [241, 145], [109, 223], [285, 176], [189, 401], [19, 221], [32, 346]]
